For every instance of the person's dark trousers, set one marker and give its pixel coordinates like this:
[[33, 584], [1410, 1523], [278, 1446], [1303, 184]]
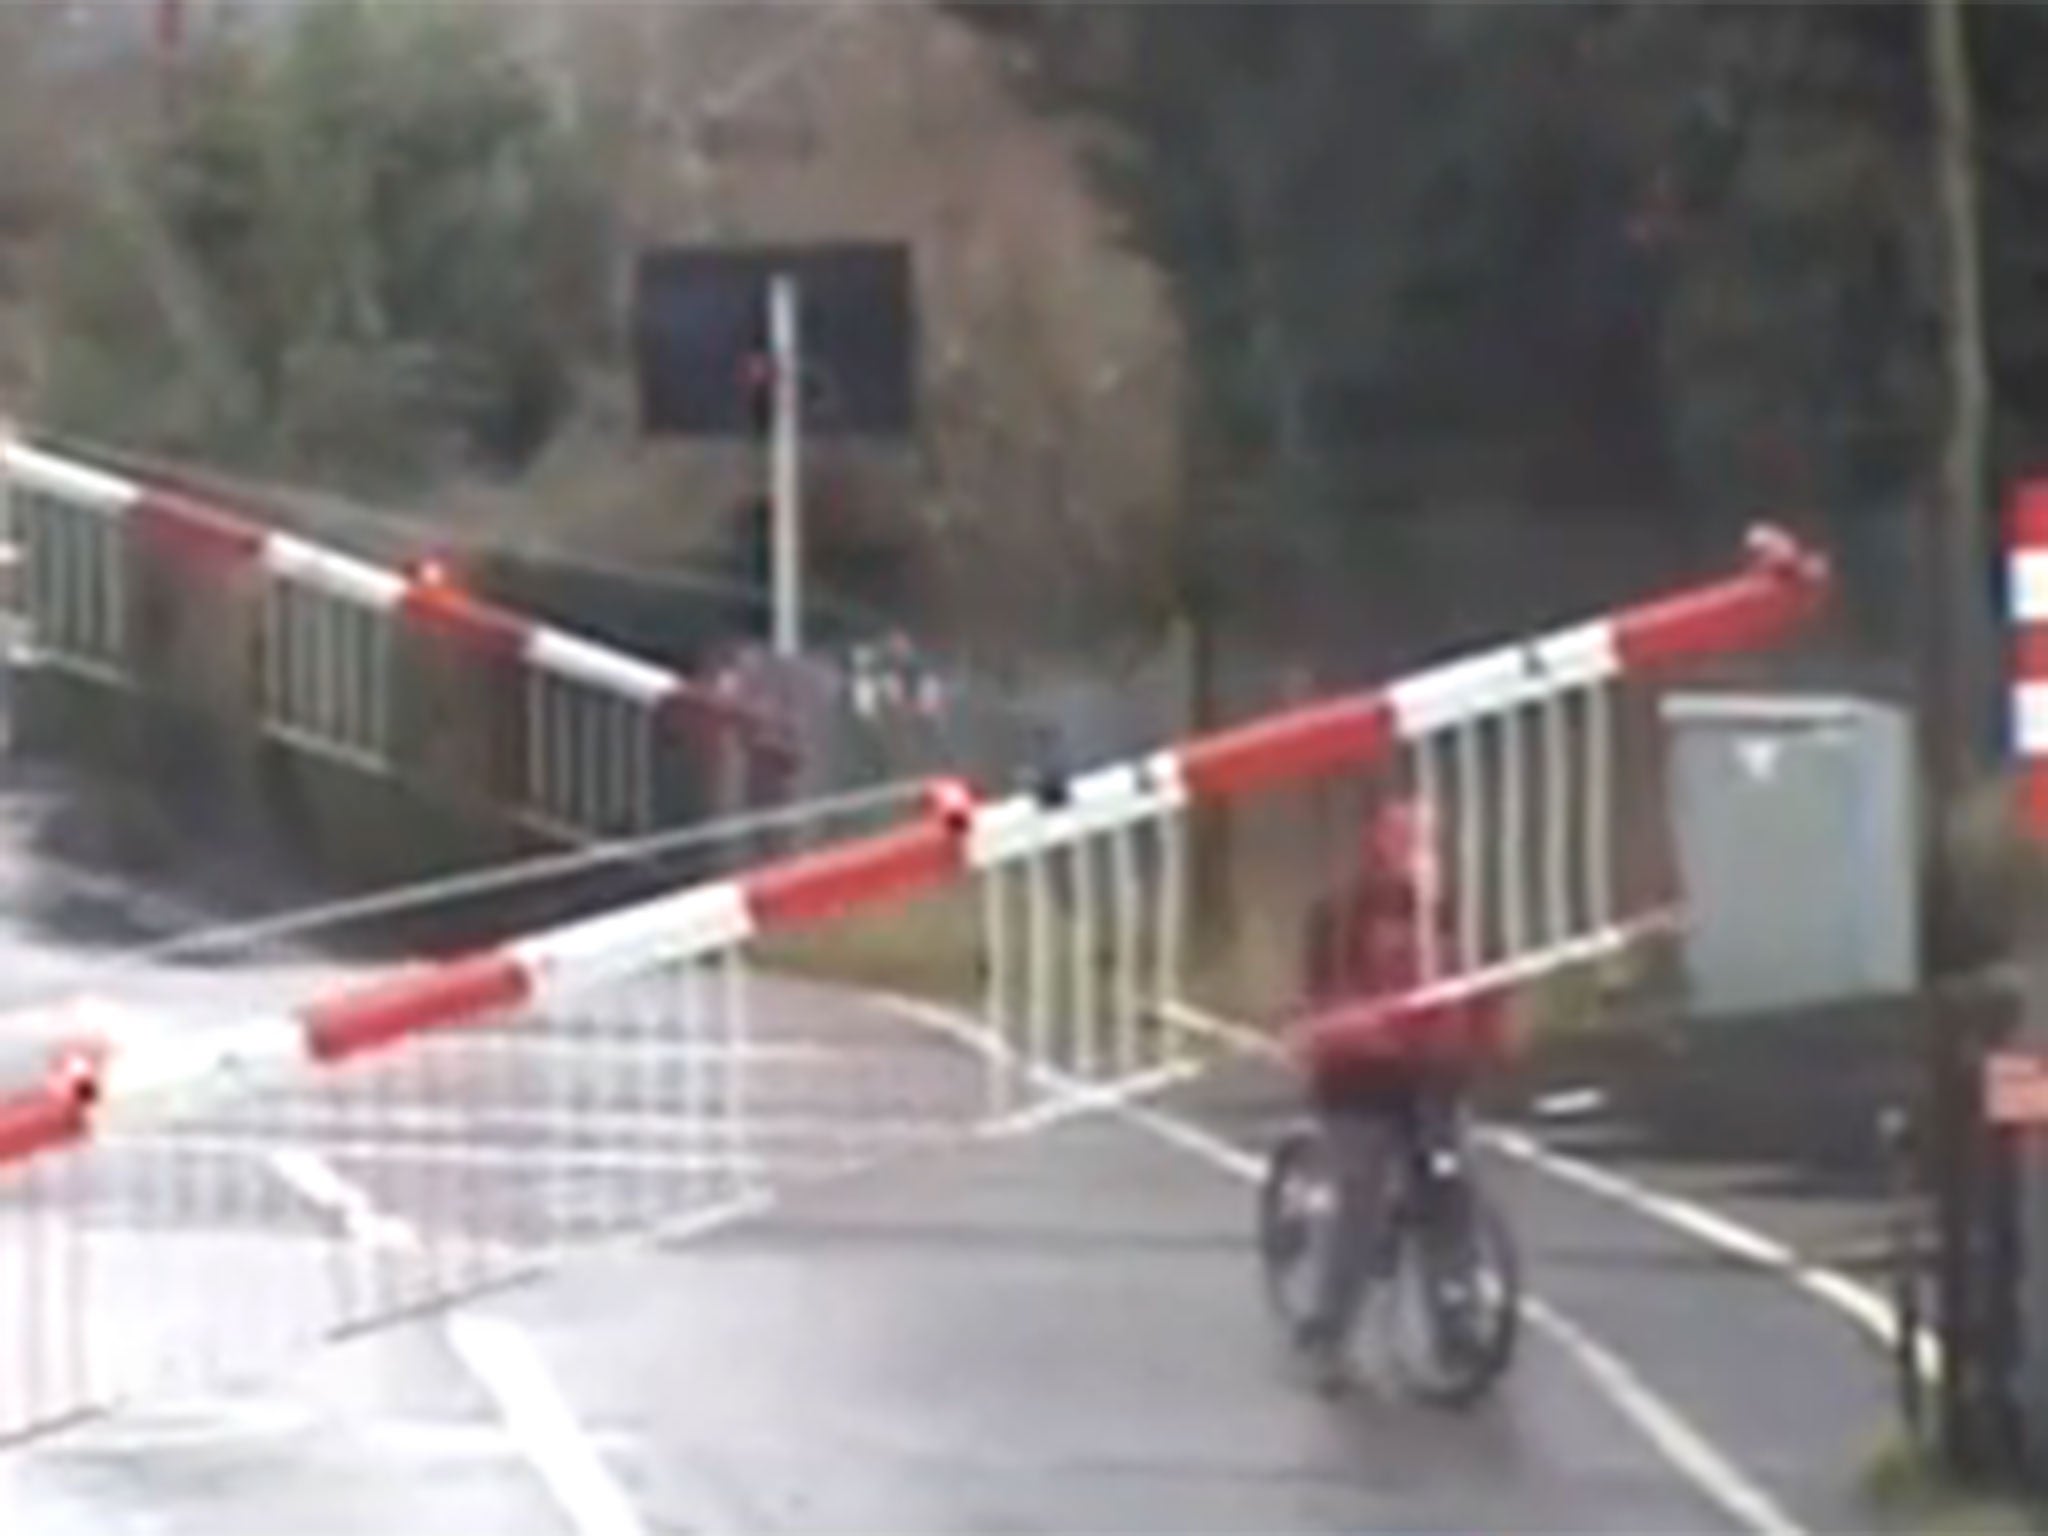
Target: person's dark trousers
[[1364, 1134]]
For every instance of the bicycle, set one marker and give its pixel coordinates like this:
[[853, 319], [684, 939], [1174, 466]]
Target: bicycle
[[1442, 1238]]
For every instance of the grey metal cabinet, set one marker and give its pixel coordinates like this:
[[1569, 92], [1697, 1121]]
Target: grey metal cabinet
[[1793, 818]]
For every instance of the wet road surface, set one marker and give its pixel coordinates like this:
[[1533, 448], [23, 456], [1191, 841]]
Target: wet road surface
[[1055, 1332]]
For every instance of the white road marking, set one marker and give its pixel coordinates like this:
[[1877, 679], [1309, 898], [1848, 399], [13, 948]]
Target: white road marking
[[1683, 1446], [494, 1352], [1849, 1297], [509, 1369], [1670, 1434]]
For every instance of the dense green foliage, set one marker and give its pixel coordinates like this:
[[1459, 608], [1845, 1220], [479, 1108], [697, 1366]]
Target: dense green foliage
[[1658, 264]]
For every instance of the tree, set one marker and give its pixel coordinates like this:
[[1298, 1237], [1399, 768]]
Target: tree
[[37, 168], [369, 252], [1397, 240], [1639, 268]]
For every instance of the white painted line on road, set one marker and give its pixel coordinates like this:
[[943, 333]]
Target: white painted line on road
[[509, 1369], [1849, 1297], [1705, 1467], [500, 1358], [1684, 1448]]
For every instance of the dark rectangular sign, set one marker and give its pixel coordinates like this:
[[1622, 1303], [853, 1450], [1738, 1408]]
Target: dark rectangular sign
[[700, 338]]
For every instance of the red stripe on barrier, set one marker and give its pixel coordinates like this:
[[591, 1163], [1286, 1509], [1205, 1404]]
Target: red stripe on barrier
[[1298, 744], [38, 1120], [2033, 793], [2030, 654], [444, 610], [2027, 518], [1786, 586], [816, 885], [452, 993], [177, 523]]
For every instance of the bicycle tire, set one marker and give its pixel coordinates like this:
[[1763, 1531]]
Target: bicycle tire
[[1287, 1246], [1464, 1372]]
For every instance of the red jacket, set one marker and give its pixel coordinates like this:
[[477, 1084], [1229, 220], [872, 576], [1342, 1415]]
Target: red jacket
[[1362, 1017]]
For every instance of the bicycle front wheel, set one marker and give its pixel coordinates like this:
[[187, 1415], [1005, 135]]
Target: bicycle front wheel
[[1457, 1295], [1297, 1202]]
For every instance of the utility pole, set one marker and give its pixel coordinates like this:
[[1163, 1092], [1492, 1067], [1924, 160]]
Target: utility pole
[[1964, 470], [1954, 656], [785, 471]]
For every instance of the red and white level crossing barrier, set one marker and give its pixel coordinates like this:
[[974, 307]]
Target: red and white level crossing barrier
[[401, 1142], [354, 661]]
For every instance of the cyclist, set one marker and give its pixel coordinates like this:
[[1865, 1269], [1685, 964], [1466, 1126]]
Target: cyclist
[[1381, 1051]]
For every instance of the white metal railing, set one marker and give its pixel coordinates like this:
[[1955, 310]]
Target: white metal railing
[[597, 730], [327, 678], [73, 595]]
